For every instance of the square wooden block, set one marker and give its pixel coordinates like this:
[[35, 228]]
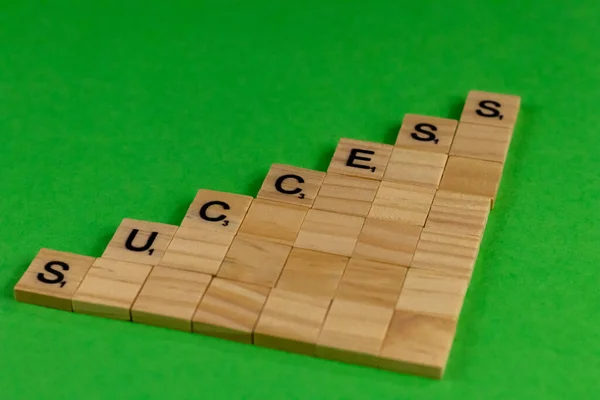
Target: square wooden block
[[361, 159], [470, 176], [197, 250], [417, 344], [433, 293], [387, 241], [140, 241], [494, 109], [346, 195], [446, 252], [110, 288], [482, 142], [329, 232], [312, 273], [401, 202], [292, 185], [459, 213], [217, 211], [52, 278], [415, 167], [253, 260], [169, 298], [273, 221], [291, 322], [230, 310], [421, 132]]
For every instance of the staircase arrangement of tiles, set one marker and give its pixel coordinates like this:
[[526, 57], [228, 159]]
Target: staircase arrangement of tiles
[[368, 263]]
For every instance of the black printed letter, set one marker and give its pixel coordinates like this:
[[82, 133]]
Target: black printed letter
[[129, 243], [58, 275], [353, 156], [282, 178], [205, 207], [429, 135], [489, 105]]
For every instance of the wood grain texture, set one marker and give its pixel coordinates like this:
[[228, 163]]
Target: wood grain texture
[[293, 185], [361, 159], [400, 202], [481, 142], [493, 109], [346, 195], [169, 298], [273, 221], [329, 232], [52, 279], [459, 213], [415, 167], [110, 288], [148, 241], [425, 133], [253, 260], [417, 344], [230, 310], [470, 176]]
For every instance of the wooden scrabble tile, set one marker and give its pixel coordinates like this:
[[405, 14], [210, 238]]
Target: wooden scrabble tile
[[401, 202], [415, 167], [459, 213], [420, 132], [169, 298], [230, 310], [292, 185], [273, 221], [469, 176], [387, 241], [353, 332], [197, 250], [140, 241], [217, 211], [371, 282], [254, 261], [417, 344], [446, 252], [433, 293], [346, 195], [360, 158], [110, 288], [482, 142], [291, 322], [52, 278], [312, 273], [491, 109], [329, 232]]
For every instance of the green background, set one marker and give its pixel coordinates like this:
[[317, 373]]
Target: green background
[[111, 110]]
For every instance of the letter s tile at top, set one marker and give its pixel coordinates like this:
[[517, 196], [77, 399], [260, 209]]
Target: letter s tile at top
[[493, 109], [421, 132]]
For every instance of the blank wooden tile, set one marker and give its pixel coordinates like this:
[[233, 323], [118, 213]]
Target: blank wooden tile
[[110, 288], [415, 167], [417, 344], [273, 221], [387, 241], [361, 159], [312, 273], [346, 195], [401, 202], [493, 109], [217, 211], [253, 260], [169, 298], [469, 176], [421, 132], [433, 293], [230, 310], [291, 322], [52, 278], [459, 213], [140, 241], [197, 250], [481, 142], [446, 252], [292, 185], [329, 232]]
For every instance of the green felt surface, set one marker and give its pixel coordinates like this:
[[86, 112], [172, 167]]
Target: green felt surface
[[117, 110]]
